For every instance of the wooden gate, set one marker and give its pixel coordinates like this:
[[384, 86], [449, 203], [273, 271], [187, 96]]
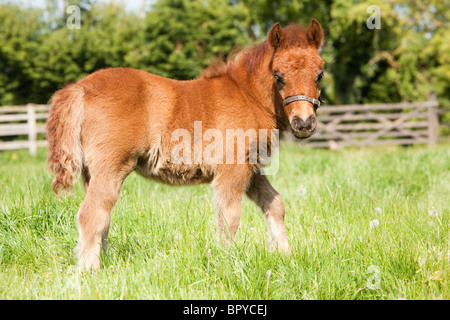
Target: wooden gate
[[377, 124]]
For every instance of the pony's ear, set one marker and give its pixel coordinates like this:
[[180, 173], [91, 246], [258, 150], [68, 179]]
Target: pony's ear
[[276, 35], [315, 33]]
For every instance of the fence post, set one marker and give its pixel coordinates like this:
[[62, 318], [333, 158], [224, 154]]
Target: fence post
[[433, 120], [32, 132]]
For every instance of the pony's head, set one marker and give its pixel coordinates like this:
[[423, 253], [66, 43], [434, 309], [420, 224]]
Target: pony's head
[[297, 71]]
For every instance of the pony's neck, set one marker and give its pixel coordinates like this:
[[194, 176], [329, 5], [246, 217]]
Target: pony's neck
[[252, 71]]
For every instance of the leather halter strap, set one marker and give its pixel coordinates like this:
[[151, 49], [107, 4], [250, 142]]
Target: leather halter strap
[[315, 102]]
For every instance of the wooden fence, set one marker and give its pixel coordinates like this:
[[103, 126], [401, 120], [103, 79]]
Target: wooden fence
[[20, 123], [377, 124], [338, 126]]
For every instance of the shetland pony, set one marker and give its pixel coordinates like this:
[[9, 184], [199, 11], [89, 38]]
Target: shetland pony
[[118, 120]]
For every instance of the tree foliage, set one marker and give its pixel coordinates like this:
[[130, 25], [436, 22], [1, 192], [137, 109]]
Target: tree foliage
[[198, 30], [403, 61]]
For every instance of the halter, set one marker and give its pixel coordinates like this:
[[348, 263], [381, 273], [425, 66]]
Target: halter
[[315, 102]]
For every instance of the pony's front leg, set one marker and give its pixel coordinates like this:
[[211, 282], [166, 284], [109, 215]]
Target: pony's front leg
[[229, 186], [271, 203], [228, 217]]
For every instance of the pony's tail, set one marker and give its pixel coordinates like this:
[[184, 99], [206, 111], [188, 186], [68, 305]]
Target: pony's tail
[[65, 155]]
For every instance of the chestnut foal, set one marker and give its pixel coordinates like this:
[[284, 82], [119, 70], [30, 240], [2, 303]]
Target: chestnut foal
[[118, 120]]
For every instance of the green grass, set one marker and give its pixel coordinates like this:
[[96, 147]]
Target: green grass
[[163, 242]]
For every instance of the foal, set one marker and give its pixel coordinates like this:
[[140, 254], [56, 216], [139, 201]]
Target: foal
[[118, 120]]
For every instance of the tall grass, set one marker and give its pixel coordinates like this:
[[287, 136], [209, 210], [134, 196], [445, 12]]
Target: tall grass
[[362, 223]]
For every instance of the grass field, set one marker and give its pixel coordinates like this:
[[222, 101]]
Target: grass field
[[362, 223]]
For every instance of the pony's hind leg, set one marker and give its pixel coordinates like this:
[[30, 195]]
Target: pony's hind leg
[[271, 203], [94, 215]]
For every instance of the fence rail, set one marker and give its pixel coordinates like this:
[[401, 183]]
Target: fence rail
[[338, 126], [377, 124], [22, 121]]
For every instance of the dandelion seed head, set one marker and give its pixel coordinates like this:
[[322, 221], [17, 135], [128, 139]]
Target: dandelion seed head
[[422, 261], [378, 210], [433, 212], [301, 191], [374, 223]]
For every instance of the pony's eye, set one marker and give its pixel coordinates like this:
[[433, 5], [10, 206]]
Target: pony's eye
[[279, 79], [319, 77]]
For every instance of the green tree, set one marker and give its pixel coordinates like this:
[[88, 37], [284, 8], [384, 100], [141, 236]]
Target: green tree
[[183, 35], [403, 61], [20, 40], [108, 37]]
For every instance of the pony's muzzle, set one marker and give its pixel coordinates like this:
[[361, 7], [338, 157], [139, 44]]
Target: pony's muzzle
[[303, 128]]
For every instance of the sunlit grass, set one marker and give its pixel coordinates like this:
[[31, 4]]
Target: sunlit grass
[[163, 242]]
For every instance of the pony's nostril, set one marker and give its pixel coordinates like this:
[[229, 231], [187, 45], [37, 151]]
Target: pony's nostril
[[313, 123], [296, 123]]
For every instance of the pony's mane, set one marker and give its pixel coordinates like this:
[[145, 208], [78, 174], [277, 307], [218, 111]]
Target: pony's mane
[[253, 55], [215, 69]]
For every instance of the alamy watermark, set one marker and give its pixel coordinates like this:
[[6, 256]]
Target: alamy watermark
[[237, 147], [374, 281], [374, 21], [74, 20]]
